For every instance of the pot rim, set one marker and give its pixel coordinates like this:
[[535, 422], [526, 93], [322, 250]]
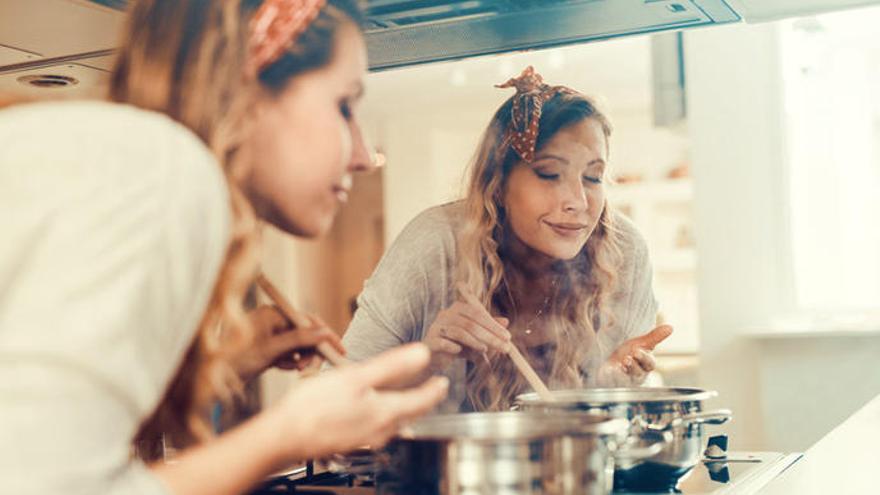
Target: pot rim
[[494, 426], [608, 396]]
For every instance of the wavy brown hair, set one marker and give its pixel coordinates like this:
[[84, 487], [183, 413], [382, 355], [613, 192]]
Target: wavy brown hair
[[584, 282], [186, 59]]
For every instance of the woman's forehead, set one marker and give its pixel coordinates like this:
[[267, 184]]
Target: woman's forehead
[[574, 143]]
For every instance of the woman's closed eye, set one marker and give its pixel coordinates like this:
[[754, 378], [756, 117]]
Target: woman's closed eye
[[591, 179], [345, 109], [545, 175]]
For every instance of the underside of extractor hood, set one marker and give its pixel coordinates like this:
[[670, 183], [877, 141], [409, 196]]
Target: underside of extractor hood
[[408, 32]]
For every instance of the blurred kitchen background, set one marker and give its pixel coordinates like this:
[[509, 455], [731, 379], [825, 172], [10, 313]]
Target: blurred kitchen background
[[747, 154]]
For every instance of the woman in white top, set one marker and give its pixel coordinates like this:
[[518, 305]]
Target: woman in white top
[[128, 243], [564, 276]]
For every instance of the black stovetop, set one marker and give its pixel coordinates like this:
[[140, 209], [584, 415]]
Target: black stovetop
[[738, 470]]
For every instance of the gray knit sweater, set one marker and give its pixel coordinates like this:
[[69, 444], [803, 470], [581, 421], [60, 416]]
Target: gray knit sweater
[[414, 281]]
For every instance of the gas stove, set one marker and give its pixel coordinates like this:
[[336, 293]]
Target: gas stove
[[735, 472]]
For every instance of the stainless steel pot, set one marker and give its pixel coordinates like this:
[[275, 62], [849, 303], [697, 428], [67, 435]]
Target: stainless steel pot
[[678, 411], [505, 453]]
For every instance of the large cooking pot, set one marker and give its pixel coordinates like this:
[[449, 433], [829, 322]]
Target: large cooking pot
[[649, 410], [519, 453]]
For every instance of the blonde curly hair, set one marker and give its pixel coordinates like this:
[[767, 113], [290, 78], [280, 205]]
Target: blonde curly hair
[[584, 282]]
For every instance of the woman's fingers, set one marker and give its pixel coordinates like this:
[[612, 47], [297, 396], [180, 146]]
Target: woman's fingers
[[484, 335], [484, 320], [335, 340], [627, 364], [463, 336], [645, 360], [297, 348], [639, 362], [301, 339], [268, 319], [451, 325], [444, 345], [650, 340], [412, 403], [397, 365]]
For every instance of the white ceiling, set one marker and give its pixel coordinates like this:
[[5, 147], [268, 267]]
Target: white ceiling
[[34, 29], [52, 28]]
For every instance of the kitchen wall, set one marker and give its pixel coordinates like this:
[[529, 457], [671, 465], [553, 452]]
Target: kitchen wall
[[786, 391]]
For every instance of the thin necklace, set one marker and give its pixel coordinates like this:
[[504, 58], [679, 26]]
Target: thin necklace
[[544, 306]]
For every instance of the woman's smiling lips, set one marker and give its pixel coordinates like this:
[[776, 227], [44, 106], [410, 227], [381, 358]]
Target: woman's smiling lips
[[567, 229], [341, 194]]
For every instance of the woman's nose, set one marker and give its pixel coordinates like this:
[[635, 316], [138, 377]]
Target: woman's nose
[[362, 156], [575, 197]]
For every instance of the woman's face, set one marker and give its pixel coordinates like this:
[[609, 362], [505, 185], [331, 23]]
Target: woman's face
[[307, 142], [554, 203]]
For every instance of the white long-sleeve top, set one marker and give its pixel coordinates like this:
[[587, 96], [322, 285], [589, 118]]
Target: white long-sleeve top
[[113, 226]]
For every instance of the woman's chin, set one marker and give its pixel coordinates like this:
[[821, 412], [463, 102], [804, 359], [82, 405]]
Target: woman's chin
[[563, 252], [310, 227], [319, 227]]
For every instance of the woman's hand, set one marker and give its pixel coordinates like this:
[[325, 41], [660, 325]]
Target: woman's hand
[[336, 411], [465, 329], [630, 363], [356, 405], [278, 343]]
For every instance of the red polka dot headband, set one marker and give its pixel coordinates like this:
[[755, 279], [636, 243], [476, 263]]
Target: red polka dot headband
[[274, 27], [531, 94]]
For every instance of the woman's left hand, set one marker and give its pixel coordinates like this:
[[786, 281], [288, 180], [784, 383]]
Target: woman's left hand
[[630, 363], [277, 343]]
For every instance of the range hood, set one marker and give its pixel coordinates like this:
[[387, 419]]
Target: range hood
[[408, 32]]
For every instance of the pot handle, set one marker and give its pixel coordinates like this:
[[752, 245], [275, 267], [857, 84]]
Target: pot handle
[[629, 453], [716, 417]]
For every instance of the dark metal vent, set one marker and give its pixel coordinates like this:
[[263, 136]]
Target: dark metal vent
[[48, 81], [383, 14], [113, 4], [408, 32]]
